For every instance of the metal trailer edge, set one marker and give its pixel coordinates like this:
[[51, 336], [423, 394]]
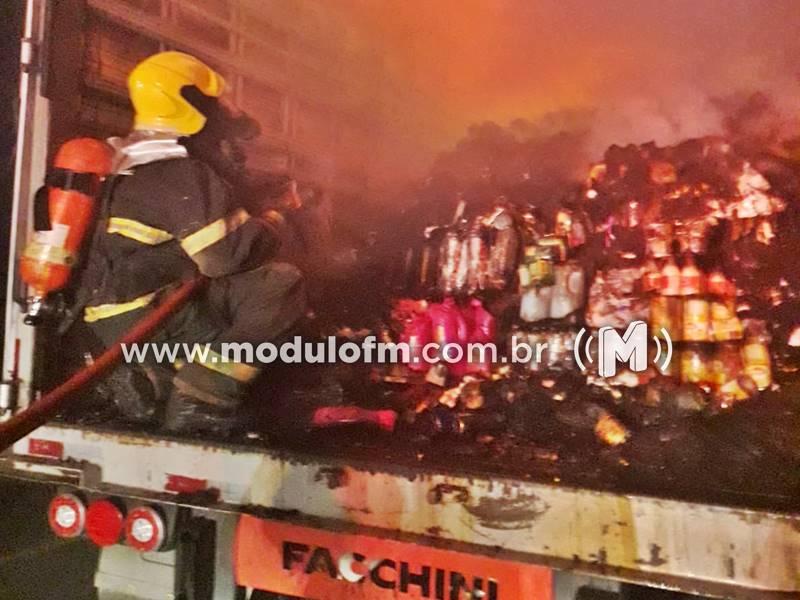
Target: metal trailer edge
[[699, 548]]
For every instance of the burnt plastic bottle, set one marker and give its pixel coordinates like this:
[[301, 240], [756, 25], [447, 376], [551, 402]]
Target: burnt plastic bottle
[[335, 416], [481, 329], [423, 266], [477, 260], [429, 266], [503, 254], [449, 261], [417, 334], [448, 327]]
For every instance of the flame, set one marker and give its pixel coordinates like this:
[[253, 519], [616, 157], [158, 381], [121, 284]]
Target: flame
[[794, 337], [611, 431]]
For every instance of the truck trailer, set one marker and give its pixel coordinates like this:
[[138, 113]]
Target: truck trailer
[[201, 519]]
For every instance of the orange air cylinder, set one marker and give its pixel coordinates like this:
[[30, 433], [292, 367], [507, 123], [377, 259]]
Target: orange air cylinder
[[72, 188]]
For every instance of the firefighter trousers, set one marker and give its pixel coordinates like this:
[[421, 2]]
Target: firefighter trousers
[[186, 356]]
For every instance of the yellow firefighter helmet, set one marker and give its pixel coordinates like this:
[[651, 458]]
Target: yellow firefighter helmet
[[155, 86]]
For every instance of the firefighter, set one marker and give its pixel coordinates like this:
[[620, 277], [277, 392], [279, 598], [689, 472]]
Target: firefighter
[[169, 212]]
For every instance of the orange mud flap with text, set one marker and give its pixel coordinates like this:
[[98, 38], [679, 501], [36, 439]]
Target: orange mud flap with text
[[323, 565]]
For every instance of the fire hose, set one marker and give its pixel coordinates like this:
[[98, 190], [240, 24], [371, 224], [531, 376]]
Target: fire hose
[[44, 409]]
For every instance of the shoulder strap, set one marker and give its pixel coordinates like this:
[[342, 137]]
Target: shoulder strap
[[94, 266]]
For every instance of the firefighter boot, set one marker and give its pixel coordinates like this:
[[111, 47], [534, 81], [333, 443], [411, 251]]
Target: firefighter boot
[[133, 394], [187, 415], [204, 402]]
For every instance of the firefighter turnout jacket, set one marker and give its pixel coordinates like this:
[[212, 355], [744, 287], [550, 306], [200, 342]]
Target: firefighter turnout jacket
[[165, 217]]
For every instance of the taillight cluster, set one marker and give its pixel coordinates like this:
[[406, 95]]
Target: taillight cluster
[[105, 522], [67, 516], [144, 529]]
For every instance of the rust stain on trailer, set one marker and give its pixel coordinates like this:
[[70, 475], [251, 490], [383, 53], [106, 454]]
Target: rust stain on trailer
[[730, 567], [601, 558], [655, 560], [334, 477], [121, 438], [357, 509], [508, 513], [444, 492]]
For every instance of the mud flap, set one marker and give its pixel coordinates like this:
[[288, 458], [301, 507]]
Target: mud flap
[[195, 550]]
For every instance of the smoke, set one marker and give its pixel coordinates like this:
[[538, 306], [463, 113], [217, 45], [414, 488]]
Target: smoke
[[660, 70], [549, 152]]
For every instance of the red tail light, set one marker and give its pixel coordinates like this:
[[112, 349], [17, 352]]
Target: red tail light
[[67, 516], [104, 523], [144, 529]]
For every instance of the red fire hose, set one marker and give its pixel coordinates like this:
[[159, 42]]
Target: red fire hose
[[53, 401]]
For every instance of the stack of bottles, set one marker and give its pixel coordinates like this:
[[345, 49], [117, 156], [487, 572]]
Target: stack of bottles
[[467, 256], [615, 298], [551, 287], [698, 312], [455, 330], [551, 282], [691, 305]]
